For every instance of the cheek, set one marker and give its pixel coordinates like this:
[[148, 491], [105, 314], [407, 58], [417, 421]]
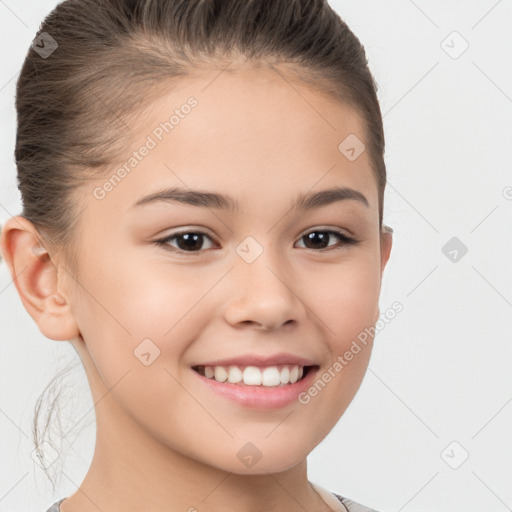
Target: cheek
[[134, 307], [344, 298], [136, 324], [139, 297]]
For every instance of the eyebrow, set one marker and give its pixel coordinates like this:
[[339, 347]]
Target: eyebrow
[[215, 200]]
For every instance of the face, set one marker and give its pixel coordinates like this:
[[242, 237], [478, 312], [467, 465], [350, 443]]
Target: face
[[169, 286]]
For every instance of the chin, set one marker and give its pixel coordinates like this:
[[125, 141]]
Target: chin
[[262, 467], [260, 457]]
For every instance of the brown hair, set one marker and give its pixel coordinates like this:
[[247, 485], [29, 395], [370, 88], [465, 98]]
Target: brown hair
[[75, 105]]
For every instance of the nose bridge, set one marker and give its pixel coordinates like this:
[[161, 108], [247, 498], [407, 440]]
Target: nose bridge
[[261, 292]]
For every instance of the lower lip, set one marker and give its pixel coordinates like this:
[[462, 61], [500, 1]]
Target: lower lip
[[263, 397]]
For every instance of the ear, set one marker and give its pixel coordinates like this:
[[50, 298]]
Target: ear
[[36, 279], [386, 242]]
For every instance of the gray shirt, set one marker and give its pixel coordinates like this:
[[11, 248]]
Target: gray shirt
[[350, 505]]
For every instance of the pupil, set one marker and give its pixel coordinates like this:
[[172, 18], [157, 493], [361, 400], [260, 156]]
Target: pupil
[[319, 236], [191, 240]]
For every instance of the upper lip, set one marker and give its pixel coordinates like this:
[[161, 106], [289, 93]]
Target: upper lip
[[260, 360]]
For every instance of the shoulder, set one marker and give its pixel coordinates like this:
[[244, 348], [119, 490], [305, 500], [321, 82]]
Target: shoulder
[[55, 507], [352, 506], [339, 503]]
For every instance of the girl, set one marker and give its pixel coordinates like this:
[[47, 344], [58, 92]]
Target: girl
[[202, 186]]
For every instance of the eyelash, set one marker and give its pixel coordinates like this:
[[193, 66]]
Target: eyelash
[[346, 240]]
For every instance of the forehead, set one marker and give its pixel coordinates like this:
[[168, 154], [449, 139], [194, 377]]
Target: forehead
[[253, 130]]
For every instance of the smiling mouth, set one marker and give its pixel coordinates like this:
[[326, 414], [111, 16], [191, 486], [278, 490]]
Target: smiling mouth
[[263, 376]]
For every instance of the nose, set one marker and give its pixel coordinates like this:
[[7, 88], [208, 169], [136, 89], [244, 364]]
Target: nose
[[262, 295]]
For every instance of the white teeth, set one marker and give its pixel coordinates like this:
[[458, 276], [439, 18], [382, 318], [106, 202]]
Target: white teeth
[[234, 374], [253, 376], [294, 374], [220, 374], [271, 376]]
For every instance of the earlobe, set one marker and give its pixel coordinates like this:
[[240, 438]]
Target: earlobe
[[36, 278]]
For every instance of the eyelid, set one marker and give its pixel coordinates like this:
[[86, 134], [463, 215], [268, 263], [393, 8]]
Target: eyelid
[[344, 239], [332, 229], [164, 240], [197, 231], [190, 229], [202, 231]]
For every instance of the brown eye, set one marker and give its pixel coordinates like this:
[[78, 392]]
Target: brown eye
[[186, 241], [320, 239]]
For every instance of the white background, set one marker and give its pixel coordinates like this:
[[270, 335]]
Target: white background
[[440, 371]]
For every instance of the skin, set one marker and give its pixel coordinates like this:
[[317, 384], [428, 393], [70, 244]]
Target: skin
[[164, 441]]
